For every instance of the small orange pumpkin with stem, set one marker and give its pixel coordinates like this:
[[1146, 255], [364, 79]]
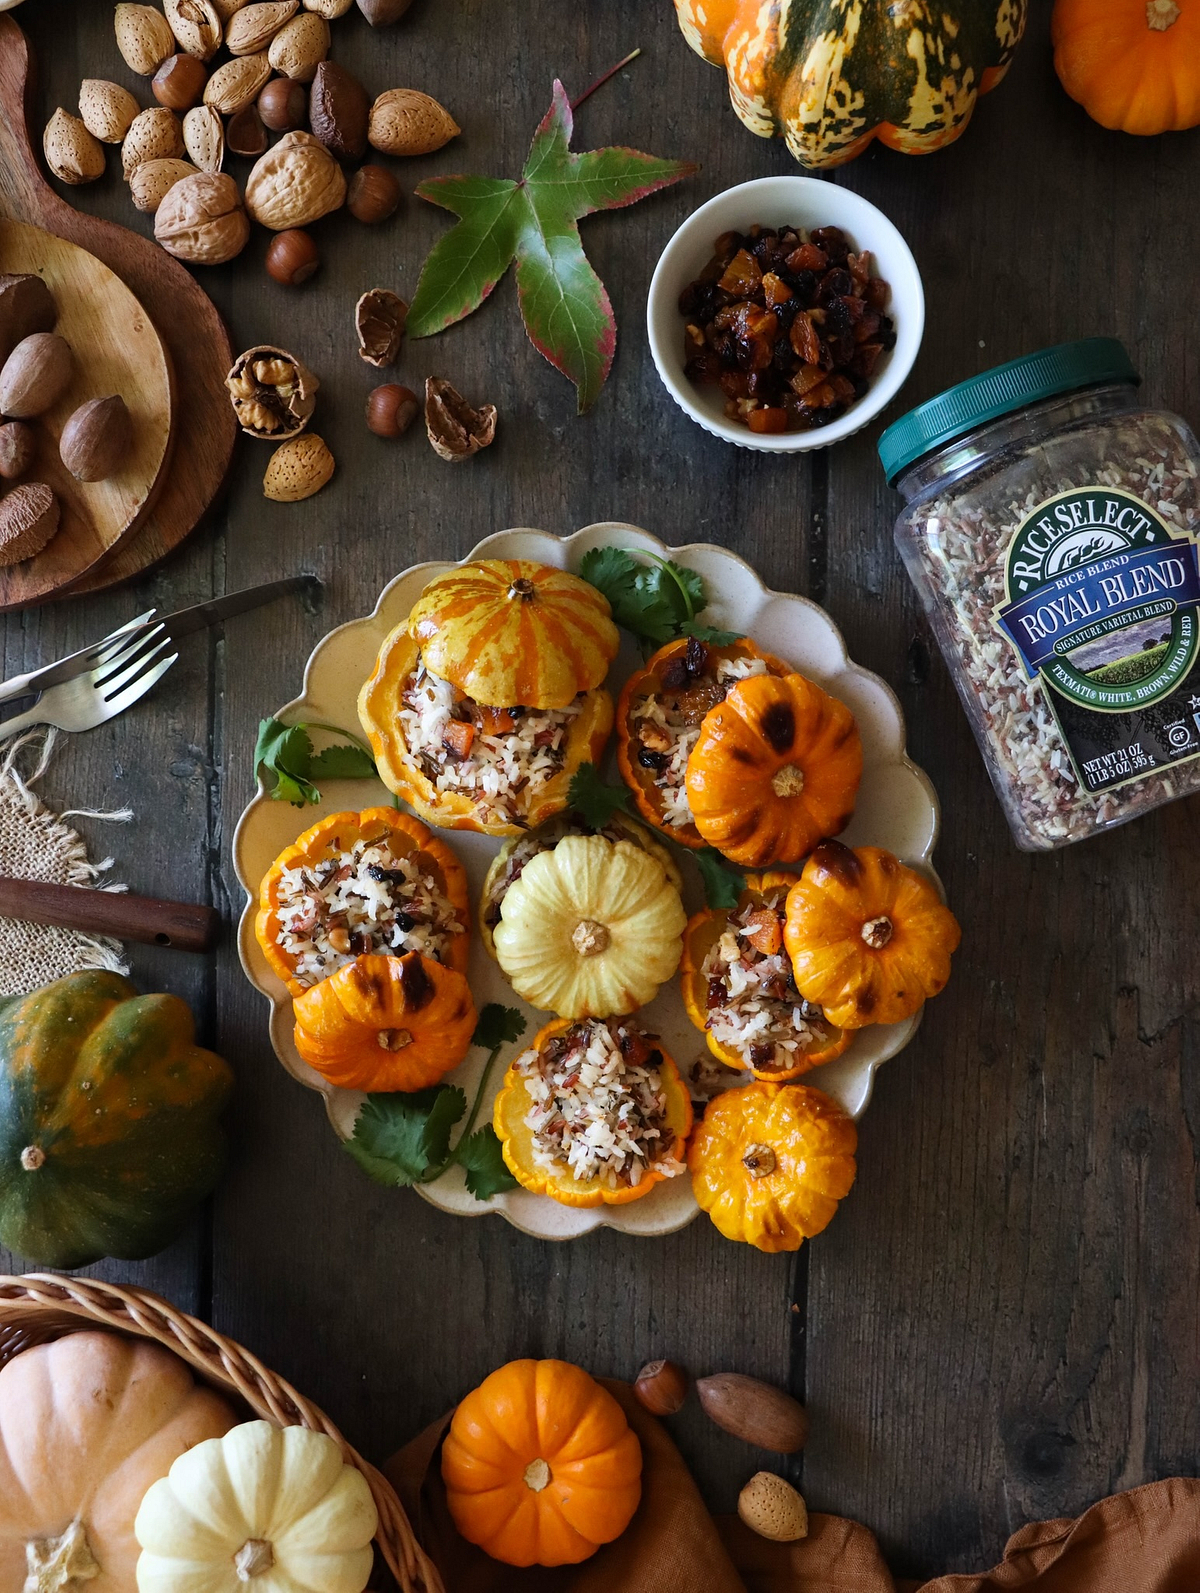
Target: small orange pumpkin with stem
[[1134, 65], [776, 769], [540, 1465], [386, 1023], [870, 940]]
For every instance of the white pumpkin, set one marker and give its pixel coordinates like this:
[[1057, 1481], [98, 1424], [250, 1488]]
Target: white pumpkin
[[262, 1510]]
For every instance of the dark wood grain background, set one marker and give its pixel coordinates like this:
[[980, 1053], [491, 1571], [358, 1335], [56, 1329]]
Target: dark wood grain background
[[1002, 1322]]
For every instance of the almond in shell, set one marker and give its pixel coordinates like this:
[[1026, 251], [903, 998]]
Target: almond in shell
[[28, 519], [204, 137], [196, 25], [144, 38], [254, 26], [236, 84], [295, 183], [297, 469], [107, 110], [300, 46], [226, 9], [771, 1507], [329, 9], [73, 154], [153, 180], [156, 134], [407, 122]]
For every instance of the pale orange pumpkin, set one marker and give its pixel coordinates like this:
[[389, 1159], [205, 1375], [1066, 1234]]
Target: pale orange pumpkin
[[1134, 65]]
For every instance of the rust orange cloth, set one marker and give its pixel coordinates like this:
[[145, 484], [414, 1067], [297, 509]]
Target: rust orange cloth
[[1145, 1541]]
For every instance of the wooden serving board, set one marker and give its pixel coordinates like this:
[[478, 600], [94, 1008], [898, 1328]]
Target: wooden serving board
[[185, 318], [116, 350]]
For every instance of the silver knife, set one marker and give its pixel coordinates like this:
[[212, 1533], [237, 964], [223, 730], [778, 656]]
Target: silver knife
[[184, 623]]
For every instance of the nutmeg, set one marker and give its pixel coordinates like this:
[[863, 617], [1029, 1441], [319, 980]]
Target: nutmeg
[[28, 519], [97, 439], [754, 1411], [283, 105], [661, 1387], [18, 445], [373, 194], [292, 257], [179, 82], [391, 409], [36, 375]]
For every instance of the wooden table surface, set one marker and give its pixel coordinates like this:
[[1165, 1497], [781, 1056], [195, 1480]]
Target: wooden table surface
[[1001, 1324]]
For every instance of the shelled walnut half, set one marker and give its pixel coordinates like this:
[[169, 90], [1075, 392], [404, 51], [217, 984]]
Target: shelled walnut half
[[273, 394]]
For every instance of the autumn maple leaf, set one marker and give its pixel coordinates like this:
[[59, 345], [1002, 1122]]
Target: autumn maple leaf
[[564, 304]]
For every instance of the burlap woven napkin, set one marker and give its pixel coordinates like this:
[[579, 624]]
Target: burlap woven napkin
[[1145, 1541]]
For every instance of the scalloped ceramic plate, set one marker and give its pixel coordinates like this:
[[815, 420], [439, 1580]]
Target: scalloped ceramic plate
[[897, 809]]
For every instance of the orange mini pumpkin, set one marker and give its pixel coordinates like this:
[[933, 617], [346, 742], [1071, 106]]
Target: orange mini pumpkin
[[386, 1023], [870, 940], [776, 769], [770, 1162], [761, 908], [1134, 65], [400, 835], [540, 1465], [683, 678]]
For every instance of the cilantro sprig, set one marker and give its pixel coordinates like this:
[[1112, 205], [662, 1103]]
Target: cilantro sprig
[[404, 1139], [285, 754], [659, 603]]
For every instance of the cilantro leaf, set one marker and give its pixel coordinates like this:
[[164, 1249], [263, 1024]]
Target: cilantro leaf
[[497, 1026], [343, 763], [706, 633], [594, 801], [723, 883], [389, 1140], [658, 603], [447, 1108], [564, 305], [483, 1162], [284, 755]]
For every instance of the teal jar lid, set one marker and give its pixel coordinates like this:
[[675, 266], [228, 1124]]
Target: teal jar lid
[[1062, 369]]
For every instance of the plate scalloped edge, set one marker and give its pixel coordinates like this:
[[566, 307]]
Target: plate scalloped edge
[[898, 807]]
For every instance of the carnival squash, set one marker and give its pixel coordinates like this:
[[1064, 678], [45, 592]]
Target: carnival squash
[[870, 940], [830, 76], [770, 1162], [738, 988], [659, 716], [509, 863], [357, 884], [508, 631], [600, 1139], [268, 1506], [775, 770], [452, 787], [540, 1465], [90, 1421], [1134, 65], [386, 1023], [108, 1121], [590, 929]]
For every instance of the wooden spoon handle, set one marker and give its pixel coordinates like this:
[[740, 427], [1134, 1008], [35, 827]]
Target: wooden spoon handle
[[182, 925]]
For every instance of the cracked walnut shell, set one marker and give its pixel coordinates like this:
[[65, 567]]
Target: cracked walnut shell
[[272, 393], [295, 183], [456, 431], [201, 220], [380, 317]]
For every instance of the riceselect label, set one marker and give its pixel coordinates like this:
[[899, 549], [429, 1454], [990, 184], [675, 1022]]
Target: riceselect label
[[1103, 605]]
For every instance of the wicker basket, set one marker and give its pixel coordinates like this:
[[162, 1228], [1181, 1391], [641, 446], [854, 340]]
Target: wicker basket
[[42, 1306]]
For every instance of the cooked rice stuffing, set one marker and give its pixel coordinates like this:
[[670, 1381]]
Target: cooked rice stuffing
[[598, 1108], [360, 902], [501, 757], [754, 1008]]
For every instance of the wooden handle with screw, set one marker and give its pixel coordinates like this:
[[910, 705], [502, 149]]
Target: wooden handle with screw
[[184, 926]]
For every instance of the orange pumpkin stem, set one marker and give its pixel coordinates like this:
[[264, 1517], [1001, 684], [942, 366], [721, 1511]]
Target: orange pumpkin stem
[[395, 1039], [1161, 14], [537, 1475], [759, 1161], [877, 932]]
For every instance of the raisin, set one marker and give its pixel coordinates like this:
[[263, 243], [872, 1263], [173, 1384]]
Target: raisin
[[696, 657], [675, 672], [718, 996], [652, 760], [405, 922]]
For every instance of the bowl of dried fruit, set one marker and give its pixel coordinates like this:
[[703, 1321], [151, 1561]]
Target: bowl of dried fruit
[[785, 314]]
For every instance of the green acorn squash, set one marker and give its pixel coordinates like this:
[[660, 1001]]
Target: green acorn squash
[[108, 1121], [831, 75]]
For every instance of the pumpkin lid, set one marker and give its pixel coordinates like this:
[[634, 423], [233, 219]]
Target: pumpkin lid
[[1004, 389]]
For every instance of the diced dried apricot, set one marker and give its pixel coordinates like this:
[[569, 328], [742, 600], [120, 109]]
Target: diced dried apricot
[[768, 420], [808, 258], [804, 340], [496, 721], [458, 737], [763, 931], [775, 290], [743, 275]]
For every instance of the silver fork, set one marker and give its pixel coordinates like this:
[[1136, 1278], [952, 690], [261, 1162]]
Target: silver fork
[[128, 672]]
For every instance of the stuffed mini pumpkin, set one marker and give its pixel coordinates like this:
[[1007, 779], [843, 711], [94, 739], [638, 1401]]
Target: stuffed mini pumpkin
[[540, 1465], [770, 1162], [1134, 65], [590, 929], [263, 1502], [870, 940], [90, 1421], [108, 1121]]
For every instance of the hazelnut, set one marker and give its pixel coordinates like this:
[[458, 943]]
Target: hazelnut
[[381, 13], [201, 220], [391, 410], [18, 445], [380, 317], [35, 375], [337, 111], [373, 194], [283, 105], [661, 1387], [456, 431], [28, 519], [97, 439], [179, 82], [292, 257], [754, 1411], [245, 134]]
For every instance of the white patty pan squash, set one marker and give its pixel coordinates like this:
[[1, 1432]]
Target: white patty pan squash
[[267, 1509], [590, 929]]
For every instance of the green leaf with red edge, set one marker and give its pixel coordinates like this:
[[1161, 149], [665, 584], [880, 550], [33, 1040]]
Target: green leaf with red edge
[[565, 307]]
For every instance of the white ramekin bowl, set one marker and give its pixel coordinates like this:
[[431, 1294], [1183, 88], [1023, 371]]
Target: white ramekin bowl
[[803, 202]]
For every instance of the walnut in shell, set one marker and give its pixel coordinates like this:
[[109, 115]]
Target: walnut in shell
[[73, 154], [201, 220], [272, 393], [380, 317], [297, 469], [28, 519], [456, 431], [295, 183]]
